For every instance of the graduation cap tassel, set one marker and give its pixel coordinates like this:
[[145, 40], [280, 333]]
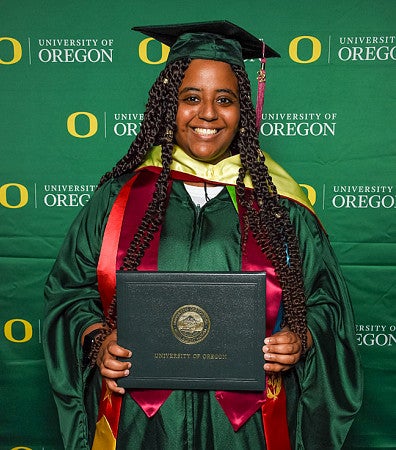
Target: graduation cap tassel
[[260, 89]]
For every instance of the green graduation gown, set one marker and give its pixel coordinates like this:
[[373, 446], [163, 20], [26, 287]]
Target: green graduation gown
[[323, 390]]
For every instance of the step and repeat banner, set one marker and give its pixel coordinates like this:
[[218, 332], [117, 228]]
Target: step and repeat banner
[[73, 86]]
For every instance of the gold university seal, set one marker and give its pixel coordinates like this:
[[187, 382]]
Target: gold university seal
[[190, 324]]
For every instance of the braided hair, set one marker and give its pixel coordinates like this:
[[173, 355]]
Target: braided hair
[[270, 223], [265, 216]]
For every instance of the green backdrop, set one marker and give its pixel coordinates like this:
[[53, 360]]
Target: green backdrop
[[73, 85]]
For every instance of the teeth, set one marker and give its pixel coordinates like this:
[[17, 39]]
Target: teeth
[[205, 131]]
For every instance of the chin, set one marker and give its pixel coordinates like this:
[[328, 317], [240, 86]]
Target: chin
[[211, 158]]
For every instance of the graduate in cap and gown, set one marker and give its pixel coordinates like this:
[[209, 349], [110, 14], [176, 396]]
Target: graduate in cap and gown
[[195, 192]]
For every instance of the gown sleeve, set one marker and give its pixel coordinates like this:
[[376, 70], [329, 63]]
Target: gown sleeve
[[330, 377], [72, 303]]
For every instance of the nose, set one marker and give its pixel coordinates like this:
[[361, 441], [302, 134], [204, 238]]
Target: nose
[[207, 111]]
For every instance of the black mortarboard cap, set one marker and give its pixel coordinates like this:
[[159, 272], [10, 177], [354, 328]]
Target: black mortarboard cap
[[218, 40]]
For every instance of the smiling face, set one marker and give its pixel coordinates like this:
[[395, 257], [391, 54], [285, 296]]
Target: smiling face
[[208, 110]]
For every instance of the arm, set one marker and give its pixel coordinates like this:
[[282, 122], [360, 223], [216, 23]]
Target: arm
[[72, 306], [329, 378]]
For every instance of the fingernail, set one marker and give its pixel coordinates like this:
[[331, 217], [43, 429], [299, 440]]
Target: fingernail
[[126, 373], [267, 340], [265, 349]]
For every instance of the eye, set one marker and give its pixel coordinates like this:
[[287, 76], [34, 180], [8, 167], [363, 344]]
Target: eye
[[225, 101], [190, 99]]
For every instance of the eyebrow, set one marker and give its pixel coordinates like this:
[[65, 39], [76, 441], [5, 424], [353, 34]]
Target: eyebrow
[[190, 88]]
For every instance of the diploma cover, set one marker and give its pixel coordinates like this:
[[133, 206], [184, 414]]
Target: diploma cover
[[192, 330]]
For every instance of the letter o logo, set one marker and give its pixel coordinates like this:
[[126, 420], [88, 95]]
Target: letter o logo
[[316, 49], [23, 195], [311, 193], [143, 52], [17, 48], [8, 330], [71, 124]]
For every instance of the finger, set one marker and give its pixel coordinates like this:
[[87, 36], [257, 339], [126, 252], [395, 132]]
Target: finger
[[276, 367], [113, 374], [113, 386], [282, 337], [115, 364], [116, 350], [283, 349], [288, 359]]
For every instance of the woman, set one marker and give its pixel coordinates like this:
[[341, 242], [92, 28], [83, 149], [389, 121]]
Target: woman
[[195, 193]]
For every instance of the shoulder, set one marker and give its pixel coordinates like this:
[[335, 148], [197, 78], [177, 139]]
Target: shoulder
[[286, 185], [113, 186], [93, 216], [106, 194]]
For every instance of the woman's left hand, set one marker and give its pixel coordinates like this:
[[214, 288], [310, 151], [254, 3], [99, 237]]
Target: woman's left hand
[[282, 350]]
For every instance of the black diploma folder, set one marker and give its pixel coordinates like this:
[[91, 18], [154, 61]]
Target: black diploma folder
[[192, 330]]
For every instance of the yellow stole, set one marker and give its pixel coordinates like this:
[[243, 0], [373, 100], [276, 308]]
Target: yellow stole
[[226, 172]]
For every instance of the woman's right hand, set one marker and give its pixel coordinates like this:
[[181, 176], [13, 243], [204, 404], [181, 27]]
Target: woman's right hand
[[110, 367]]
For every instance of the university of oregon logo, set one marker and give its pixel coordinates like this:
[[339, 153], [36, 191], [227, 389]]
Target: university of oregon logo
[[190, 324]]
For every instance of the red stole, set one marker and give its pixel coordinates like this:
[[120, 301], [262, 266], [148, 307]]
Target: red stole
[[124, 219]]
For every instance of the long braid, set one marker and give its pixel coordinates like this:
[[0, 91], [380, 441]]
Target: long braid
[[156, 210], [270, 224]]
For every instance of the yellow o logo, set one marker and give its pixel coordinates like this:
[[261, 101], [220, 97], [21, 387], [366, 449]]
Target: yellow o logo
[[311, 193], [71, 124], [8, 330], [17, 50], [143, 52], [316, 49], [23, 195], [21, 448]]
